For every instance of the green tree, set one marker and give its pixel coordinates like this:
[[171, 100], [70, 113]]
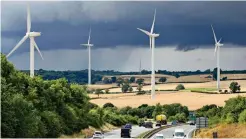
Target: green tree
[[106, 91], [139, 88], [130, 89], [108, 105], [176, 75], [119, 81], [158, 110], [132, 79], [215, 73], [98, 92], [242, 117], [140, 81], [233, 107], [163, 79], [234, 87], [180, 87], [125, 87]]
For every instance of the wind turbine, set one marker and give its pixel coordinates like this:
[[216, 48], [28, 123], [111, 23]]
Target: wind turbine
[[217, 51], [152, 37], [33, 44], [89, 51]]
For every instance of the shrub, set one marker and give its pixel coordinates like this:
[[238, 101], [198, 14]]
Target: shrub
[[242, 117], [224, 79], [234, 106], [140, 81], [226, 91], [125, 87], [107, 91], [163, 79], [139, 88], [106, 105], [234, 86], [180, 87], [130, 89], [132, 79]]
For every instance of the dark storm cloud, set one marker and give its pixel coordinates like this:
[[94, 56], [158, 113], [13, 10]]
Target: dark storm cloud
[[182, 24]]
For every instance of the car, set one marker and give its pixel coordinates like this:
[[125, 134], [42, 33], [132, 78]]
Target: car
[[159, 136], [179, 134], [191, 122], [128, 126], [98, 135], [174, 122], [158, 124], [148, 124], [125, 132]]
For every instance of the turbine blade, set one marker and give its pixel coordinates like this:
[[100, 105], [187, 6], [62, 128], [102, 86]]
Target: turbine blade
[[219, 40], [18, 45], [36, 46], [153, 24], [215, 39], [89, 36], [144, 31], [28, 19], [84, 44]]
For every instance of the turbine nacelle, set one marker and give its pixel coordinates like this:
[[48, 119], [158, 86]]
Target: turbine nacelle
[[33, 34], [154, 35]]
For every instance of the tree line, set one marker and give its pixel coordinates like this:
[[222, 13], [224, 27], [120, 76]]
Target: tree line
[[81, 77]]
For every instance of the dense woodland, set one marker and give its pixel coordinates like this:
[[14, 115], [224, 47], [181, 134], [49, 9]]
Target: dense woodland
[[81, 77]]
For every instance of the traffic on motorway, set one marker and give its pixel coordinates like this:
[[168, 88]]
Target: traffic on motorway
[[133, 131]]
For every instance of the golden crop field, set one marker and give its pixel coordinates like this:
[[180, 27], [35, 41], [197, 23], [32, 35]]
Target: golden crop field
[[191, 99]]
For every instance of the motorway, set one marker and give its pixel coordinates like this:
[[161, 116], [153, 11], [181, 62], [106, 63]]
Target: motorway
[[136, 130], [168, 133]]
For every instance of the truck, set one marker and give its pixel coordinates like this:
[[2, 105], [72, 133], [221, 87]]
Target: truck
[[161, 119]]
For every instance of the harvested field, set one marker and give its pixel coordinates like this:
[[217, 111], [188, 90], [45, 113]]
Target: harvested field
[[190, 99]]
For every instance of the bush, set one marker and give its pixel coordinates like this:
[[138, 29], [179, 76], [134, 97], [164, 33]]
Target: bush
[[234, 106], [234, 86], [132, 79], [107, 91], [163, 79], [242, 117], [125, 87], [106, 105], [224, 79], [180, 87], [140, 81]]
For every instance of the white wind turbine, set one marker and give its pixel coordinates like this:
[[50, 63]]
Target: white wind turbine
[[152, 37], [33, 44], [217, 51], [89, 51]]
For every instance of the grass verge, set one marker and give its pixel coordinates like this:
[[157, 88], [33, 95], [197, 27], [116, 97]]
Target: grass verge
[[224, 131]]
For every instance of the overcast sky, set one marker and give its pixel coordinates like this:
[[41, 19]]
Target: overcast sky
[[185, 41]]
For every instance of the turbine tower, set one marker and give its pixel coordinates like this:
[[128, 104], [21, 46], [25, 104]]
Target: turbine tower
[[89, 51], [217, 51], [152, 37], [31, 36]]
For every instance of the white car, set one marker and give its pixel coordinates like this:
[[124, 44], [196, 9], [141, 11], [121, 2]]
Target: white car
[[159, 136], [98, 135], [179, 134]]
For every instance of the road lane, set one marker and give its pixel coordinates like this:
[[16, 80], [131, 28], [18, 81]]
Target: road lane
[[136, 130], [168, 133]]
